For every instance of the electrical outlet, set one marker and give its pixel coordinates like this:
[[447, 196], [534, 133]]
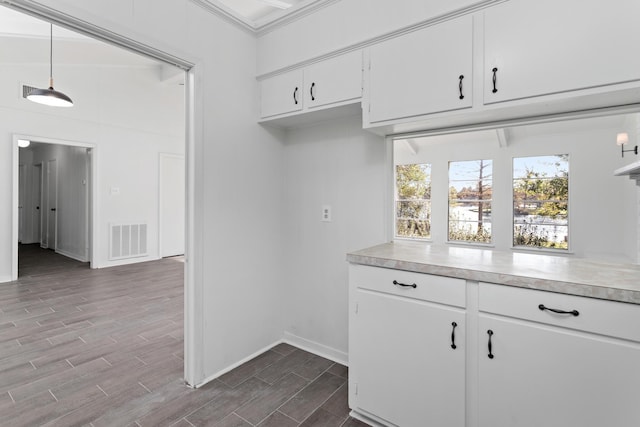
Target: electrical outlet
[[326, 213]]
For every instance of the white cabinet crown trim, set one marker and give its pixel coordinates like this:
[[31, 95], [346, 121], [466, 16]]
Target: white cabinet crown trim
[[372, 41]]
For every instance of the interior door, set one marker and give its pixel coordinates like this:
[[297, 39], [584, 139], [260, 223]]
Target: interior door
[[37, 203], [21, 200], [51, 198], [172, 205]]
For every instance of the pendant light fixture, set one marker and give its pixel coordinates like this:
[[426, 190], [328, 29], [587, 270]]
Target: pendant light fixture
[[50, 96]]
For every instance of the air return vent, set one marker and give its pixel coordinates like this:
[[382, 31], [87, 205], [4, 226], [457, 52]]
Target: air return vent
[[127, 240]]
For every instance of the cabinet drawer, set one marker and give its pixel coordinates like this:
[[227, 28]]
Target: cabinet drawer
[[444, 290], [610, 318]]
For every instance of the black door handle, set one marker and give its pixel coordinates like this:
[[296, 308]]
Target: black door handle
[[53, 209], [453, 335], [555, 310], [295, 96], [312, 92], [495, 79], [490, 333], [38, 207], [395, 282], [460, 86]]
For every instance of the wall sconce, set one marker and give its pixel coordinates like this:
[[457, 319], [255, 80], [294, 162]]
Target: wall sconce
[[621, 140]]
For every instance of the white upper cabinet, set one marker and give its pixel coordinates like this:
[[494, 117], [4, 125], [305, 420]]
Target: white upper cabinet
[[330, 83], [547, 46], [422, 72], [334, 81], [281, 94]]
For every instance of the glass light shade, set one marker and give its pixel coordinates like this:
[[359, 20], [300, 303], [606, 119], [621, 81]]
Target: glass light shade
[[24, 143], [622, 138]]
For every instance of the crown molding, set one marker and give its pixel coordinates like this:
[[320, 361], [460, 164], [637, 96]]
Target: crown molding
[[264, 25]]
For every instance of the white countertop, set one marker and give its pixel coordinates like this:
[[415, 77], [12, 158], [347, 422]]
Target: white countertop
[[562, 274]]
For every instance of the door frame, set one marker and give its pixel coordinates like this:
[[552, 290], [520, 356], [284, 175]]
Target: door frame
[[161, 182], [91, 201], [194, 372]]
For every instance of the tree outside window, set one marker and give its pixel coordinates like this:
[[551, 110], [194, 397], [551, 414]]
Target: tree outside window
[[470, 194], [541, 201], [413, 201]]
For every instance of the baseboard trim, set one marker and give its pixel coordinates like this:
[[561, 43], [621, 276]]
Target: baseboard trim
[[235, 365], [71, 255], [291, 339], [317, 348]]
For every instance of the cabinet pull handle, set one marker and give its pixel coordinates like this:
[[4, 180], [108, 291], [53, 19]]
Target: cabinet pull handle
[[490, 333], [395, 282], [312, 92], [453, 335], [460, 86], [295, 95], [572, 312], [495, 79]]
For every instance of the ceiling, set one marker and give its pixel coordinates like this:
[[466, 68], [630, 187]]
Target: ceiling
[[257, 10], [25, 40]]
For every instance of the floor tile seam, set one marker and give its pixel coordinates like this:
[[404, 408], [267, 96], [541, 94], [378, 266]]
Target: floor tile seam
[[302, 389], [293, 395], [246, 420], [320, 406]]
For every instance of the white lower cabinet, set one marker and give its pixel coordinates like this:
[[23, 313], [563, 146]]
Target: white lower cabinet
[[555, 373], [523, 358], [407, 353]]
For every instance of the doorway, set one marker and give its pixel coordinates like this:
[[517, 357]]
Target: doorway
[[55, 174]]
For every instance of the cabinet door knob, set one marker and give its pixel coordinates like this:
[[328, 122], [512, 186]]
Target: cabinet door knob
[[460, 86], [453, 335], [555, 310], [295, 96], [495, 80], [395, 282], [490, 333], [312, 91]]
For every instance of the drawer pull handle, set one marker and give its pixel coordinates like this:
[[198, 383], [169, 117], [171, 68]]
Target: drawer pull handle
[[395, 282], [312, 92], [453, 335], [495, 79], [572, 312], [490, 333], [460, 86], [295, 96]]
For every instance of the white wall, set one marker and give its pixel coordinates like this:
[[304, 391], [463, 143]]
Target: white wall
[[237, 165], [342, 24], [128, 114], [340, 165], [602, 210]]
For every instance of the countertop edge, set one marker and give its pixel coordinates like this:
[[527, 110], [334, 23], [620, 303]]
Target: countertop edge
[[608, 292]]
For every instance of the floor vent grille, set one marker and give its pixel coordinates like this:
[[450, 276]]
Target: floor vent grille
[[128, 240]]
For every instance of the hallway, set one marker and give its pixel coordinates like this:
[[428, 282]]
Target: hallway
[[105, 348]]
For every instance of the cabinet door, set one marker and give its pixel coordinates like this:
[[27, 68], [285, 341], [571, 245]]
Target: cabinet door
[[281, 94], [407, 371], [333, 81], [546, 376], [423, 72], [548, 46]]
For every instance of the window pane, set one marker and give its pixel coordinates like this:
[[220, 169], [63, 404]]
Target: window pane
[[541, 201], [413, 201], [470, 193]]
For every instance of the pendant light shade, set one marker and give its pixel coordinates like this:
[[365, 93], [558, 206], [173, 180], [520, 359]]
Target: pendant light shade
[[50, 96]]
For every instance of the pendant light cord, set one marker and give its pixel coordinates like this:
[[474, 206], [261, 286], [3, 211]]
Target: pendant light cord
[[51, 55]]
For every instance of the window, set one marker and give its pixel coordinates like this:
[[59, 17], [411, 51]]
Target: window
[[413, 201], [541, 201], [470, 192]]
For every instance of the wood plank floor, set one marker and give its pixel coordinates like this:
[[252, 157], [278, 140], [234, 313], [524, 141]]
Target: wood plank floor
[[81, 347]]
